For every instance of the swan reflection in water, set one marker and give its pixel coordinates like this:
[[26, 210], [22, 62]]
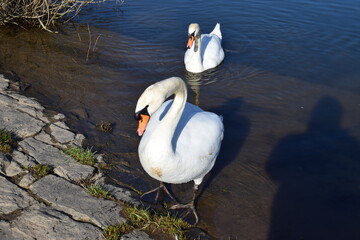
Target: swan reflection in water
[[196, 80]]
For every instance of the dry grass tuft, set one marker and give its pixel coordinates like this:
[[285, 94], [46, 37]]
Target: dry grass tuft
[[82, 155], [167, 226], [7, 141]]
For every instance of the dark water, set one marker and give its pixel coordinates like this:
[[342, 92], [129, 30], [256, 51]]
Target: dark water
[[288, 89]]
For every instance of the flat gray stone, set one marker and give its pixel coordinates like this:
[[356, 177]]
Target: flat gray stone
[[6, 100], [4, 83], [59, 116], [23, 159], [62, 125], [13, 169], [12, 197], [62, 135], [19, 122], [27, 109], [26, 181], [136, 235], [7, 234], [40, 115], [4, 163], [79, 138], [43, 223], [64, 165], [44, 137], [25, 101], [119, 193], [75, 201]]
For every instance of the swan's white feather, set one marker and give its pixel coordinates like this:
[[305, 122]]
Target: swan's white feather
[[211, 54], [196, 144]]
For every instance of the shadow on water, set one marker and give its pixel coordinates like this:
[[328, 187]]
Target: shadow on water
[[237, 128], [318, 173]]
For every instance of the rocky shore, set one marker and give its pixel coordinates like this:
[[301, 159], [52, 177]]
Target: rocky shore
[[56, 206]]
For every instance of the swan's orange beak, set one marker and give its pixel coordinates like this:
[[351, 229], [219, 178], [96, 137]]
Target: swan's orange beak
[[190, 41], [144, 119]]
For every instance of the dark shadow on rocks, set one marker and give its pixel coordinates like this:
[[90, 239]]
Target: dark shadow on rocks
[[318, 173]]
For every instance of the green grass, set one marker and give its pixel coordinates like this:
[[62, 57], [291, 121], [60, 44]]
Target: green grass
[[84, 156], [7, 141], [97, 191], [40, 170], [146, 220]]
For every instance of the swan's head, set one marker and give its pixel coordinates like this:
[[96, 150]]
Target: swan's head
[[149, 101], [193, 32]]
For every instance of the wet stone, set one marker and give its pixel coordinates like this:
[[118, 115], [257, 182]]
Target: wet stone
[[13, 169], [59, 116], [42, 222], [25, 101], [121, 194], [44, 137], [7, 234], [23, 159], [136, 235], [61, 134], [3, 86], [27, 109], [4, 163], [6, 100], [76, 202], [19, 122], [4, 83], [63, 165], [79, 139], [62, 125], [12, 197], [40, 115], [26, 181]]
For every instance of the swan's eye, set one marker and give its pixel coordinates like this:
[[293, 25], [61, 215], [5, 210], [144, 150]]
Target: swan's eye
[[144, 111]]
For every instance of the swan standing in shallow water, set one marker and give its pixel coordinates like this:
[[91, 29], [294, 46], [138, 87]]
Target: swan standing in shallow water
[[180, 141], [204, 50]]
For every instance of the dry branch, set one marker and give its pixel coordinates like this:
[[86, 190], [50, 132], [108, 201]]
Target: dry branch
[[42, 13]]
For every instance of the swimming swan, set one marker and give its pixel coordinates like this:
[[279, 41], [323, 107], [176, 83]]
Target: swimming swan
[[207, 51], [180, 141]]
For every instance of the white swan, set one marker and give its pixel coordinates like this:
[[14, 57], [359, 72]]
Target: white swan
[[181, 141], [207, 51]]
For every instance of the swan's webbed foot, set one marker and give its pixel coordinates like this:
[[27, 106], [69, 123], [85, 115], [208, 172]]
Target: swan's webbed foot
[[189, 206], [158, 189]]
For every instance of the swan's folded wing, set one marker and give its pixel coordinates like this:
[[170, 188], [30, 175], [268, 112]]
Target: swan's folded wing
[[203, 133]]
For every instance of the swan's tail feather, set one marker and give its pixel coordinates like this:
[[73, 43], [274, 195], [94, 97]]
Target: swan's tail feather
[[217, 31]]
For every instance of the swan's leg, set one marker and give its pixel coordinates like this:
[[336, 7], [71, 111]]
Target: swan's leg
[[158, 189], [190, 205]]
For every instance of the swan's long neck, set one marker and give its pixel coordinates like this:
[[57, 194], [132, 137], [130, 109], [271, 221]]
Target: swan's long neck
[[167, 126], [193, 58], [197, 50]]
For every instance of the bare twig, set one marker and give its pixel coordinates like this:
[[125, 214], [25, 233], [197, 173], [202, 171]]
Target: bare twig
[[96, 42], [42, 13], [88, 52]]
